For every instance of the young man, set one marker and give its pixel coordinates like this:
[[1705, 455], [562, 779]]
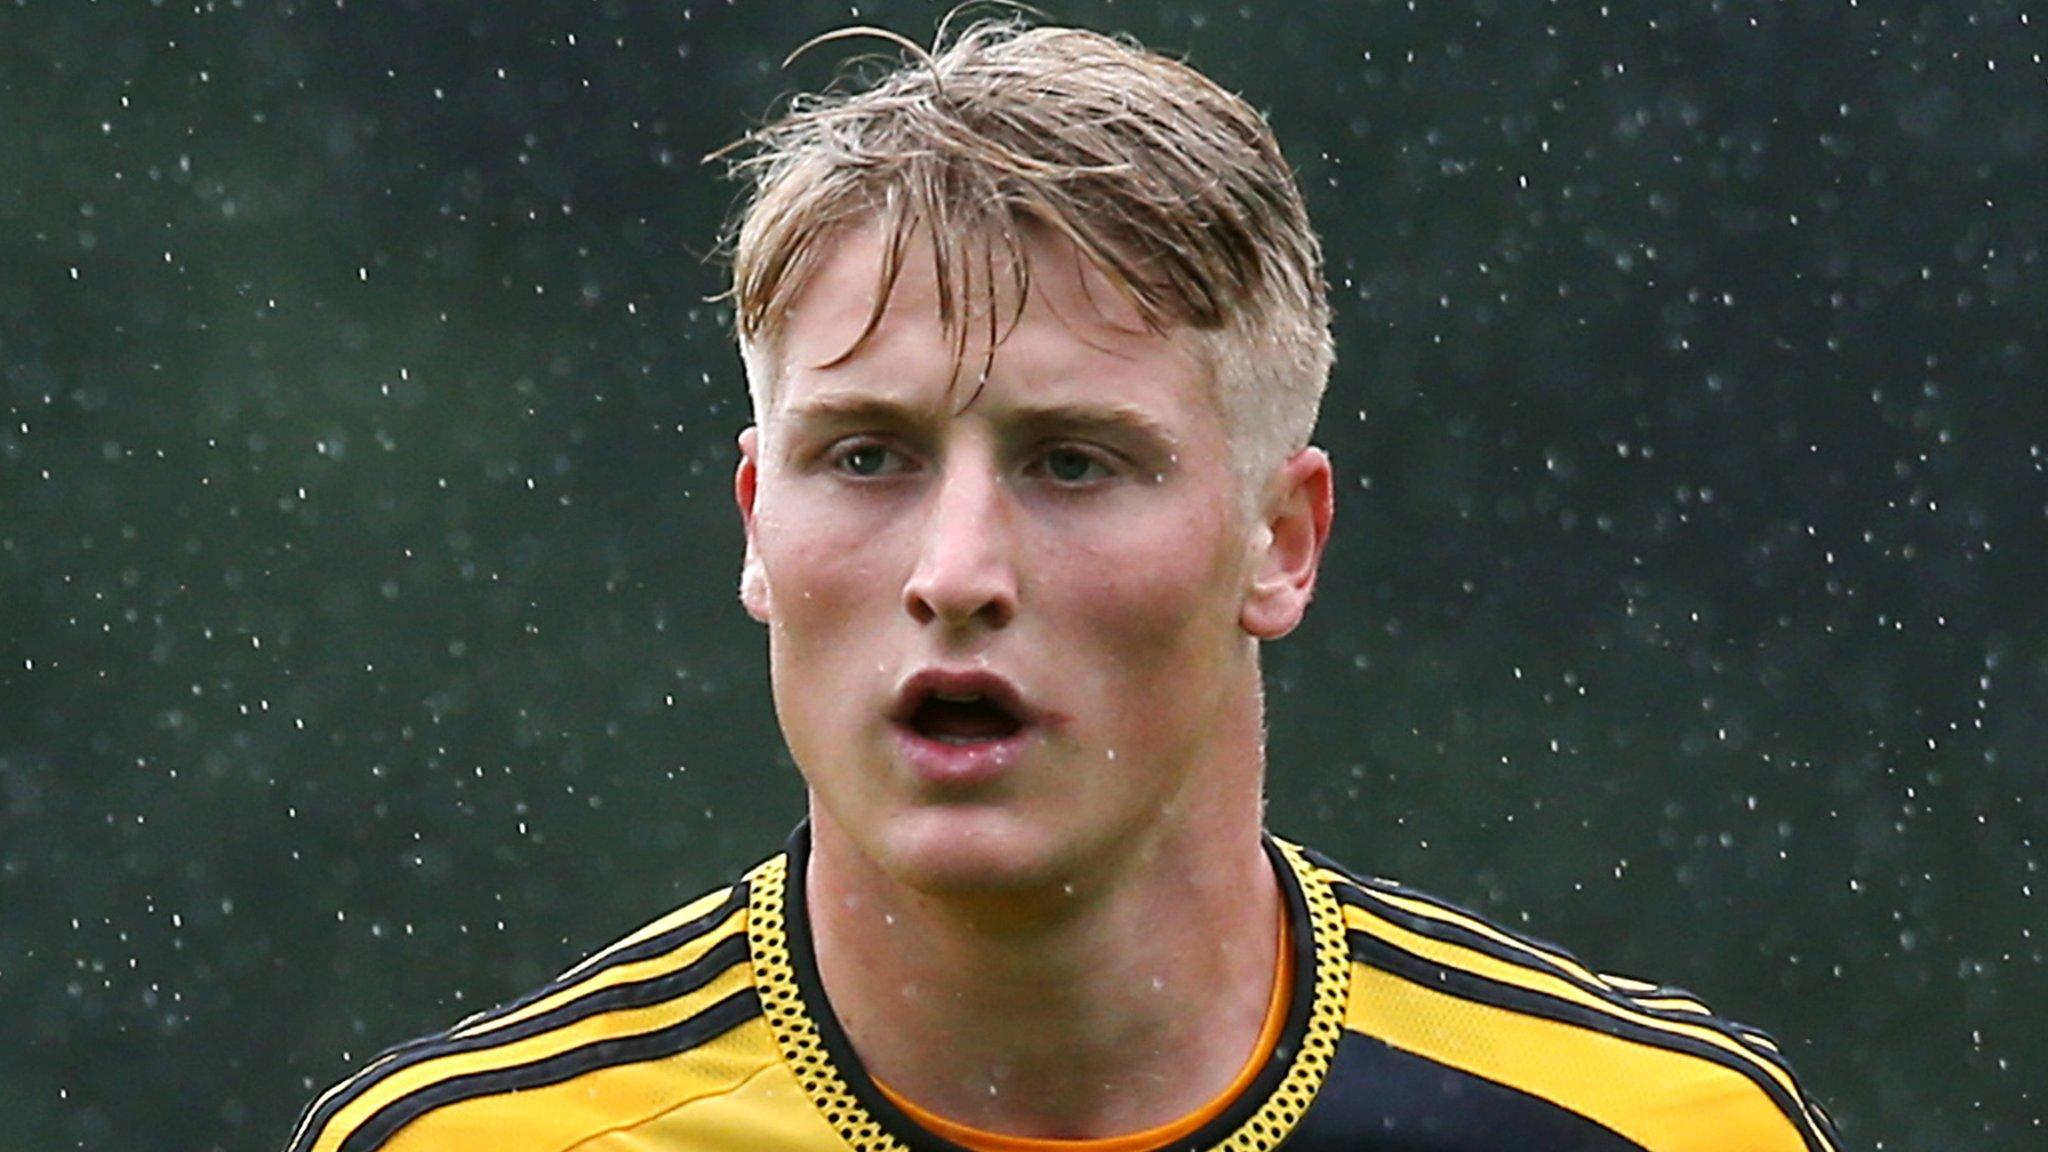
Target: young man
[[1036, 331]]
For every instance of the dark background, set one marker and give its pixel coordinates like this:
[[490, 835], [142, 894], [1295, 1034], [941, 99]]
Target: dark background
[[368, 645]]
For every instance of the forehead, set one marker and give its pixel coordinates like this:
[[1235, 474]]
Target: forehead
[[1037, 309]]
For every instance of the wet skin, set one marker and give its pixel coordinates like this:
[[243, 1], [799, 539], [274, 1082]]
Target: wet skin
[[1073, 540]]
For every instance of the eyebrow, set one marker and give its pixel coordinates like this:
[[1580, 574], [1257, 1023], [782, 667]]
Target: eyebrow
[[855, 408]]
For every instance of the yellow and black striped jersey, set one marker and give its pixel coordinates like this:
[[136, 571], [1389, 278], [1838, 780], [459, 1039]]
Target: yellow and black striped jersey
[[1413, 1026]]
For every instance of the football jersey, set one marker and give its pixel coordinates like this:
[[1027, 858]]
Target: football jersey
[[1411, 1026]]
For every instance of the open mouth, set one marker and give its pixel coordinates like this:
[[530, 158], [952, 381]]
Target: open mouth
[[963, 719]]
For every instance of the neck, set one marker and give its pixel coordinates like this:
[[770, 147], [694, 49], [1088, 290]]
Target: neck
[[1086, 1013]]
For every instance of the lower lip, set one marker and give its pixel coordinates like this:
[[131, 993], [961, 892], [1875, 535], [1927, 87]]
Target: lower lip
[[960, 765]]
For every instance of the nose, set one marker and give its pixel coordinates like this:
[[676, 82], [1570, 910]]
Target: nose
[[964, 573]]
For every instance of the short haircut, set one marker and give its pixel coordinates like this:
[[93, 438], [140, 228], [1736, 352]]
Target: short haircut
[[1174, 188]]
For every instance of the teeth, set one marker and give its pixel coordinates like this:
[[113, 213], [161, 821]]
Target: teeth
[[952, 699]]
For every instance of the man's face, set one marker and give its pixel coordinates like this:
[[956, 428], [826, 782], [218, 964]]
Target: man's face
[[1008, 630]]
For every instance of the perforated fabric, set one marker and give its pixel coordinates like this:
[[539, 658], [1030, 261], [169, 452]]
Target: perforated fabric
[[796, 1033], [802, 1040], [1413, 1025]]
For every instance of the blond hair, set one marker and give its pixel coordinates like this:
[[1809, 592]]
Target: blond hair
[[1171, 186]]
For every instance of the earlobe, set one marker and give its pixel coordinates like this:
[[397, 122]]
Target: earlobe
[[745, 486], [754, 588], [1294, 527]]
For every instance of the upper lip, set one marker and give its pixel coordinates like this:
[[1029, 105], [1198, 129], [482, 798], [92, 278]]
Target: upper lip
[[928, 682]]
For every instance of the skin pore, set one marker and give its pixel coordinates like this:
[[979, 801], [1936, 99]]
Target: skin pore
[[1069, 932]]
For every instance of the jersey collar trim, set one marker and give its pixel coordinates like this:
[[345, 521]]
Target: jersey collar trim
[[817, 1050]]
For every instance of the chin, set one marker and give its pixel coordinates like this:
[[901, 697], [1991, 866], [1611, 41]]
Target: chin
[[956, 852]]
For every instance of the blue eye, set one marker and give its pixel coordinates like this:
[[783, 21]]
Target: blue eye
[[866, 460], [1072, 466]]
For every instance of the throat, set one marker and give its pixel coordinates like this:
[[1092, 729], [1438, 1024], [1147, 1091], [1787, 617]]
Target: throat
[[1116, 1021]]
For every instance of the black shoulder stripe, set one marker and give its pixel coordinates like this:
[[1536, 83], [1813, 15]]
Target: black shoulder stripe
[[705, 1026], [1757, 1037], [646, 949], [1376, 886], [1648, 989], [1349, 874], [1358, 896], [1369, 949], [1636, 987], [721, 957], [1537, 961]]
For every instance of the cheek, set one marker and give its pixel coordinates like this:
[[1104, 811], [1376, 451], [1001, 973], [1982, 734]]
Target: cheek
[[824, 640], [1161, 598], [803, 586], [834, 593], [816, 556]]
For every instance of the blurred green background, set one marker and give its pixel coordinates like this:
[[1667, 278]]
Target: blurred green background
[[368, 645]]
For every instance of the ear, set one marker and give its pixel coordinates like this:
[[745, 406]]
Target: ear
[[1294, 525], [745, 485]]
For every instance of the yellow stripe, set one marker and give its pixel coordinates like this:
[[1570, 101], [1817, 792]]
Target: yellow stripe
[[1644, 992], [681, 956], [1673, 1004], [1584, 977], [1700, 1106], [606, 1026], [1474, 924], [1476, 961], [1500, 971], [688, 912], [320, 1101], [611, 1100]]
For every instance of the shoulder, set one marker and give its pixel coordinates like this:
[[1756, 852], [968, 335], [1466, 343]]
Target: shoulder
[[1648, 1061], [640, 1027]]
